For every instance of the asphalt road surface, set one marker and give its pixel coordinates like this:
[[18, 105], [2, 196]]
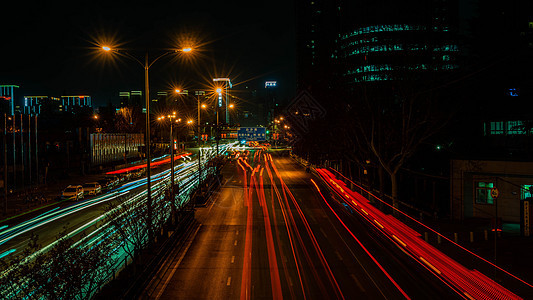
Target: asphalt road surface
[[269, 234]]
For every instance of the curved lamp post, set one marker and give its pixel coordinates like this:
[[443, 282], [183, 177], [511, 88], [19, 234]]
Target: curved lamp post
[[146, 66]]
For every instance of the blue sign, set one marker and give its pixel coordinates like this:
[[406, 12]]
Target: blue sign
[[251, 133]]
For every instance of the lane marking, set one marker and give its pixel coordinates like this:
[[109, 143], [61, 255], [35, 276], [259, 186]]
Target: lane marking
[[399, 241], [233, 259], [235, 244], [430, 265], [323, 232], [338, 255], [228, 283], [359, 285]]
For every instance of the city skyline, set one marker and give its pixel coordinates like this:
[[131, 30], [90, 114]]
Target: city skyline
[[61, 60]]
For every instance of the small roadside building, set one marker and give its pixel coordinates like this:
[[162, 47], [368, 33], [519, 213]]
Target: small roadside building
[[471, 184]]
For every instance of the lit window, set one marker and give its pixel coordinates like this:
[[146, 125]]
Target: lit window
[[483, 192], [526, 191], [496, 128], [515, 127]]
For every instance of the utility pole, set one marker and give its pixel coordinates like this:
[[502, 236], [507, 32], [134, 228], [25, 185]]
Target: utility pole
[[22, 148], [172, 197], [148, 158], [5, 163], [14, 154], [29, 146], [36, 151]]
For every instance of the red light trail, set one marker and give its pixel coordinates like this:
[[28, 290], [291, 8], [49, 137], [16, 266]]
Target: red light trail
[[153, 164], [467, 283]]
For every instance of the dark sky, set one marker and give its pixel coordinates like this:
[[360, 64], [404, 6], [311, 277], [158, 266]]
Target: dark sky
[[49, 48]]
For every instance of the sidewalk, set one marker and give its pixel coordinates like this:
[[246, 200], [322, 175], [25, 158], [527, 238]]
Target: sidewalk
[[514, 253]]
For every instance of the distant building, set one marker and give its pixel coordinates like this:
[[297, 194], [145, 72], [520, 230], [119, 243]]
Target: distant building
[[124, 99], [160, 102], [111, 147], [317, 30], [7, 99], [75, 103], [136, 99], [133, 99], [36, 105], [271, 101]]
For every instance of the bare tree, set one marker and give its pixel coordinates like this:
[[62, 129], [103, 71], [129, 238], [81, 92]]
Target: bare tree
[[128, 223], [392, 121], [67, 270]]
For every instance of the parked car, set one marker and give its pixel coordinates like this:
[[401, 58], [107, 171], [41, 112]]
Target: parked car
[[72, 192], [92, 188]]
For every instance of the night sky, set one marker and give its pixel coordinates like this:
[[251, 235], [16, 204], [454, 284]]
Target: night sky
[[50, 49]]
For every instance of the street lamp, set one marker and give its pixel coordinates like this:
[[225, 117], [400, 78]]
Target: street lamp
[[218, 105], [226, 86], [146, 66], [171, 119]]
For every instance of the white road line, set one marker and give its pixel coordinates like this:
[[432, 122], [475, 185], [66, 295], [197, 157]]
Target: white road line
[[338, 255], [228, 283], [358, 282]]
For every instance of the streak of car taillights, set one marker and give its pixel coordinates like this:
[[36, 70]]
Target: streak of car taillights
[[363, 247], [466, 283]]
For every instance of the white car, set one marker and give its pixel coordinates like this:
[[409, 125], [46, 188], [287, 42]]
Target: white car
[[92, 188], [73, 192]]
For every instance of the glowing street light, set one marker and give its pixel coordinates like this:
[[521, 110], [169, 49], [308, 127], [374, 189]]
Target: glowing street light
[[146, 66], [172, 197]]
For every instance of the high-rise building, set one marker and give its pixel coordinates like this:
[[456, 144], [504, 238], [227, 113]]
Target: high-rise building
[[381, 40], [73, 103], [388, 40], [124, 99], [317, 29], [7, 99], [36, 105], [271, 101], [160, 102], [136, 99]]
